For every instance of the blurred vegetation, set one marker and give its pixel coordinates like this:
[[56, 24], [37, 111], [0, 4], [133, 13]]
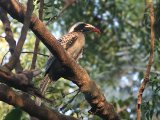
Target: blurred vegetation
[[116, 59]]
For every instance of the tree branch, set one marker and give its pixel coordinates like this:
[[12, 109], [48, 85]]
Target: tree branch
[[4, 57], [37, 53], [33, 65], [9, 37], [79, 76], [147, 73], [13, 60], [24, 102], [20, 81]]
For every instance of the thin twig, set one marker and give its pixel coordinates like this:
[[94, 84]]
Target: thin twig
[[147, 73], [37, 53], [36, 93], [4, 57], [64, 106], [68, 3], [2, 36], [36, 48], [65, 95], [22, 53], [71, 93]]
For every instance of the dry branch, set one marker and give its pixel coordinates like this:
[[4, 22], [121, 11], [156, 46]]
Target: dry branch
[[79, 76], [147, 72]]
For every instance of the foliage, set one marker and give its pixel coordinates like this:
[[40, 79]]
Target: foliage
[[4, 110], [14, 113]]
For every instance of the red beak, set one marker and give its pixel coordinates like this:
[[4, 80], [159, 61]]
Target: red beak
[[96, 30], [92, 28]]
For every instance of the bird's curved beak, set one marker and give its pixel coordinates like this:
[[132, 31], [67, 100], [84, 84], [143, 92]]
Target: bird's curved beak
[[92, 28]]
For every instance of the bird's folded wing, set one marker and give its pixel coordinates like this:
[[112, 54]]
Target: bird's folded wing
[[66, 41], [49, 63]]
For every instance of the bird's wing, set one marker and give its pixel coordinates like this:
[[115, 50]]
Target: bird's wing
[[66, 41], [49, 63]]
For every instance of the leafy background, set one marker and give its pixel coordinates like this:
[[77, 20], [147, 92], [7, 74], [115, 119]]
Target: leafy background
[[116, 59]]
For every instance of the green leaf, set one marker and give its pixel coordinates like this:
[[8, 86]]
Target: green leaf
[[14, 114]]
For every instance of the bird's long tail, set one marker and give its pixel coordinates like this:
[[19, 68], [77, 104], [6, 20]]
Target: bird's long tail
[[43, 86]]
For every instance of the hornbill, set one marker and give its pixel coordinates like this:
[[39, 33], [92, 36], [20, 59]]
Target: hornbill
[[73, 42]]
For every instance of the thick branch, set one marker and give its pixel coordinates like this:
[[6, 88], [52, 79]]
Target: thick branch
[[92, 93], [24, 102], [150, 61], [20, 81]]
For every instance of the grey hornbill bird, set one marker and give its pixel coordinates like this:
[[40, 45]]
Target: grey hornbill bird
[[73, 42]]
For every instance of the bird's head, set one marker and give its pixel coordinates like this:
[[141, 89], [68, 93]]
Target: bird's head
[[83, 27]]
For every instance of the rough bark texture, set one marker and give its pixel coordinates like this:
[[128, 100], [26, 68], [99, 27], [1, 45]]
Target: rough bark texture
[[79, 76], [11, 97], [20, 81]]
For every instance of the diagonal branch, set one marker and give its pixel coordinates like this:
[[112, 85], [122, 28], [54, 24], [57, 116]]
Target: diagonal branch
[[24, 102], [147, 72], [79, 76]]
